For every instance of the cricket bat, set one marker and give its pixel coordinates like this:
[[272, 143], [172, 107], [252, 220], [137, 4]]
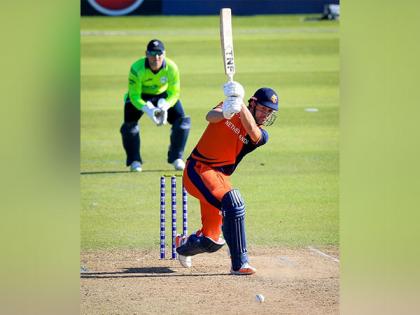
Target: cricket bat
[[226, 40]]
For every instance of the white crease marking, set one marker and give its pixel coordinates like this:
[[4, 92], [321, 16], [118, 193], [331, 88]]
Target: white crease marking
[[286, 261], [313, 249]]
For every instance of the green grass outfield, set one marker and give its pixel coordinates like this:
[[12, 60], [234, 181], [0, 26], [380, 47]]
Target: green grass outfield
[[290, 185]]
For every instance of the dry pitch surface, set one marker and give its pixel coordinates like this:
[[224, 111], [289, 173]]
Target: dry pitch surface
[[293, 281]]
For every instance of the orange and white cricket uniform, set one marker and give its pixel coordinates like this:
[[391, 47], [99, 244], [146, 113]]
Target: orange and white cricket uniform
[[207, 174]]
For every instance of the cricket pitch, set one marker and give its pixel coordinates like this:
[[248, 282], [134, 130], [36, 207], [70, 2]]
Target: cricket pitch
[[292, 280]]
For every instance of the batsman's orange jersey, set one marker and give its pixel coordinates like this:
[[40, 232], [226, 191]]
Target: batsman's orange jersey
[[206, 176], [224, 144]]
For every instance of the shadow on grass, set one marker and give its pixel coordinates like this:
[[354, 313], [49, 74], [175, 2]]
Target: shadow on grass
[[143, 273]]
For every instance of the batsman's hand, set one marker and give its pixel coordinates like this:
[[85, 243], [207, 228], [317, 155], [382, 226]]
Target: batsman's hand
[[231, 106], [233, 88], [151, 111]]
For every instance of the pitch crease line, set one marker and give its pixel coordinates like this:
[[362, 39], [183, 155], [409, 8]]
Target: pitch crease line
[[313, 249]]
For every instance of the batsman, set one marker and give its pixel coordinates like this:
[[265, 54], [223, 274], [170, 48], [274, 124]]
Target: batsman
[[233, 131]]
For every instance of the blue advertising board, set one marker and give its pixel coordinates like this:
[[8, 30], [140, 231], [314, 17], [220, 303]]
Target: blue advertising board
[[202, 7]]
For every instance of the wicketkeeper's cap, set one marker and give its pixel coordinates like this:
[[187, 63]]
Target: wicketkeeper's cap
[[267, 97], [155, 46]]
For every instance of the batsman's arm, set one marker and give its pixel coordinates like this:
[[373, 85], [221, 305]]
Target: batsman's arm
[[215, 115], [249, 124]]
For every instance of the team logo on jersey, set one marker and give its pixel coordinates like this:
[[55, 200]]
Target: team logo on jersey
[[115, 7], [274, 99], [163, 80]]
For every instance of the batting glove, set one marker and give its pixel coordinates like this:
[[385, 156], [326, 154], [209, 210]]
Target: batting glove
[[151, 111], [231, 106], [233, 88]]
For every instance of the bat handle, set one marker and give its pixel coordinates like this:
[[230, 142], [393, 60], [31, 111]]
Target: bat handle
[[230, 77]]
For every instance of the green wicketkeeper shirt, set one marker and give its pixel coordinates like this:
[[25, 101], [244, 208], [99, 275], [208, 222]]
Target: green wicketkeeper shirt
[[142, 80]]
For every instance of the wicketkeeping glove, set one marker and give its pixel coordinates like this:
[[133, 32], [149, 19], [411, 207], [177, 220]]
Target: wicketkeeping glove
[[231, 106], [151, 111], [163, 104], [233, 88], [162, 116]]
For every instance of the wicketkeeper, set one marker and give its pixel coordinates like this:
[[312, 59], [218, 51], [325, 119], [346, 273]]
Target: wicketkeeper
[[153, 88], [234, 130]]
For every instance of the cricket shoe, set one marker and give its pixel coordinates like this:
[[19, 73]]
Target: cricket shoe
[[135, 166], [178, 164], [246, 269], [185, 261]]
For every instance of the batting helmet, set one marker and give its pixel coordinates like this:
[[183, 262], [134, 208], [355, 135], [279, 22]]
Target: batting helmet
[[267, 97]]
